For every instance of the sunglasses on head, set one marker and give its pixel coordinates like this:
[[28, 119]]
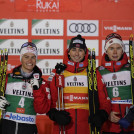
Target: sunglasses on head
[[28, 44]]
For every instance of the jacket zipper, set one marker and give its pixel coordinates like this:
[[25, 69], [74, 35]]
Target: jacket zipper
[[114, 66], [75, 68]]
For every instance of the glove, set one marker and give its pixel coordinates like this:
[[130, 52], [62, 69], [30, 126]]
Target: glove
[[3, 102], [35, 84], [126, 121], [99, 118], [60, 117], [60, 67]]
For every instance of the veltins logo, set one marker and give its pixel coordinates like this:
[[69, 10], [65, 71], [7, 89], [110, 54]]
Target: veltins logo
[[49, 46], [47, 27], [14, 27]]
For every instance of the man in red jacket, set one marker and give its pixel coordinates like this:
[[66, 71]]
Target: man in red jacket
[[74, 117], [75, 89], [19, 101], [113, 77]]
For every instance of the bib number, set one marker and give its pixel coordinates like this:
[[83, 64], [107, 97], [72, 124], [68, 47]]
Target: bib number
[[21, 102], [115, 92]]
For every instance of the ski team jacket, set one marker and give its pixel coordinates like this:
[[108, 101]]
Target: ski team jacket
[[19, 94], [75, 95], [113, 78]]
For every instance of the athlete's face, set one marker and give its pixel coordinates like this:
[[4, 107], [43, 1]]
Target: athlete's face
[[114, 52], [28, 62], [76, 54]]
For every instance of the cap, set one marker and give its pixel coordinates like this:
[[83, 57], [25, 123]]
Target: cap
[[112, 39], [77, 41], [28, 47]]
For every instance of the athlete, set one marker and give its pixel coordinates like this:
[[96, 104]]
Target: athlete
[[18, 103], [75, 92], [114, 84]]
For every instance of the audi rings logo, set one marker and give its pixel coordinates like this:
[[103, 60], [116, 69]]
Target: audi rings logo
[[82, 28]]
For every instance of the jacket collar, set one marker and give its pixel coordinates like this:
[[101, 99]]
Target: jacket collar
[[17, 73], [114, 66]]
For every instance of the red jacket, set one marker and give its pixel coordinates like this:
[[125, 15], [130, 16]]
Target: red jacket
[[79, 123], [42, 98], [40, 95], [111, 66]]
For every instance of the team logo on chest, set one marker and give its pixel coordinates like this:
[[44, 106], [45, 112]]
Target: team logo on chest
[[75, 78], [114, 77], [24, 86]]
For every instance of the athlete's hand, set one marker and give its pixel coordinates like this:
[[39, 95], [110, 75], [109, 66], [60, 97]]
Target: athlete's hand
[[3, 102], [113, 117], [60, 117], [35, 84]]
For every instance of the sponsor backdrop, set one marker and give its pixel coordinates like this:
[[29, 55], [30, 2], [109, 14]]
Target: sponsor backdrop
[[50, 24]]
